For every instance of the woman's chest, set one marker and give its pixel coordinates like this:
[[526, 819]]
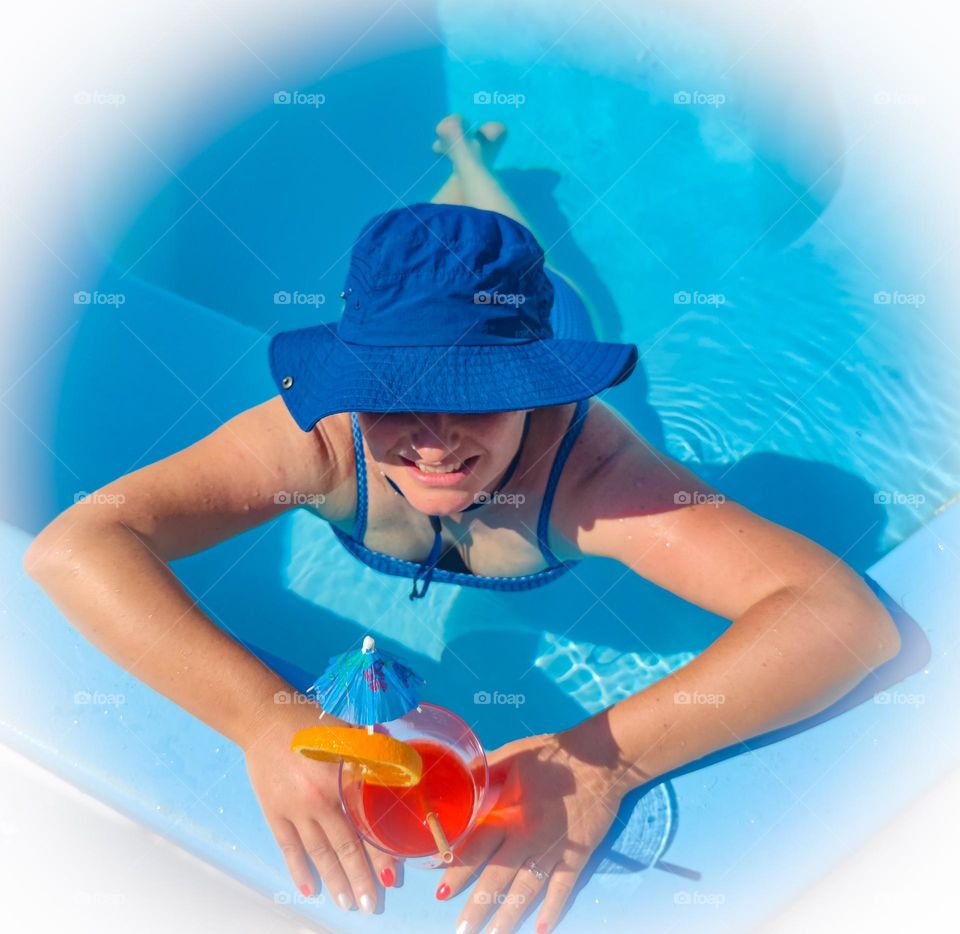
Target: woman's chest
[[501, 542], [507, 536]]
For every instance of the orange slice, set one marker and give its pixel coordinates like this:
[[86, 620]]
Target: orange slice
[[383, 759]]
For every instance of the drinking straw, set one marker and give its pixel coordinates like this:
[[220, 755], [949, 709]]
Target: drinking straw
[[433, 825], [439, 837]]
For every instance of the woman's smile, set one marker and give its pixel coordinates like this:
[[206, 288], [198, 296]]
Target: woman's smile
[[442, 461], [440, 475]]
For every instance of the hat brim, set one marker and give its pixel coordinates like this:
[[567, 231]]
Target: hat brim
[[328, 375]]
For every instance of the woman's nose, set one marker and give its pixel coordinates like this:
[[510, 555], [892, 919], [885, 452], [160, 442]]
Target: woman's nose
[[434, 435]]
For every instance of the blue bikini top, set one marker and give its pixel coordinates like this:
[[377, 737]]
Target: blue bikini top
[[447, 566]]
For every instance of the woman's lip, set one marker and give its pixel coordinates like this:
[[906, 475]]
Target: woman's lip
[[450, 478], [472, 457], [447, 464]]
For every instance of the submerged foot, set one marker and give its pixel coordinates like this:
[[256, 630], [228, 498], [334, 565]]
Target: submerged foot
[[483, 144]]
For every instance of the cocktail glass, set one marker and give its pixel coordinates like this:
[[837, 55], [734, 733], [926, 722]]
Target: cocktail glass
[[451, 789]]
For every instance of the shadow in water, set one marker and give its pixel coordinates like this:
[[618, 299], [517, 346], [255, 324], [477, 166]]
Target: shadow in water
[[832, 507], [913, 656]]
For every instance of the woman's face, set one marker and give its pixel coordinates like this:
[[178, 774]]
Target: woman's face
[[479, 448]]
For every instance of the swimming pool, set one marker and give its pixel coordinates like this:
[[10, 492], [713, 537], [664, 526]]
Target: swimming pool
[[782, 357], [802, 369]]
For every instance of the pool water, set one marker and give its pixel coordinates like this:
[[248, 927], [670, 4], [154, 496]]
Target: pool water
[[798, 351], [785, 353], [770, 361]]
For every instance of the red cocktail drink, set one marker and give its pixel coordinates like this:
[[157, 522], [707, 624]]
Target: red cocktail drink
[[398, 816], [451, 787]]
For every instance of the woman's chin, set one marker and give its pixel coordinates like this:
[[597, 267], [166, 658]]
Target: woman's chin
[[442, 502], [440, 493]]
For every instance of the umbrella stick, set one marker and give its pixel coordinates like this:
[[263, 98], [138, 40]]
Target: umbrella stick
[[439, 837]]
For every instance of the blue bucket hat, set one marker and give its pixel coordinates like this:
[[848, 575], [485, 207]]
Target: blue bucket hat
[[447, 309]]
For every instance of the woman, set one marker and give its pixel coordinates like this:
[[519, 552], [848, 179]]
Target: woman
[[448, 427]]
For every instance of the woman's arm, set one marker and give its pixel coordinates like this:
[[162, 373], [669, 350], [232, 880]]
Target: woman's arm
[[805, 627], [105, 566], [104, 562]]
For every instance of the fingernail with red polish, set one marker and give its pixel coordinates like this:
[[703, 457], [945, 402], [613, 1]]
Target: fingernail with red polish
[[305, 889], [542, 927], [443, 892], [386, 876]]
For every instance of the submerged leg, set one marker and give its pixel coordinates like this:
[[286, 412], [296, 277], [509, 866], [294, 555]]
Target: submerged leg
[[472, 155]]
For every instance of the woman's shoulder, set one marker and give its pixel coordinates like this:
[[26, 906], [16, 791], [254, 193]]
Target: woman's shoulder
[[612, 467], [337, 477], [602, 435], [315, 469]]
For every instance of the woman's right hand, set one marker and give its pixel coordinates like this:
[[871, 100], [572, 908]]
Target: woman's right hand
[[300, 800]]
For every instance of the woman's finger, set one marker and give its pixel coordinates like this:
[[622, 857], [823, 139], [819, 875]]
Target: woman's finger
[[324, 857], [384, 865], [353, 858], [559, 887], [288, 839], [476, 849], [523, 893], [491, 888]]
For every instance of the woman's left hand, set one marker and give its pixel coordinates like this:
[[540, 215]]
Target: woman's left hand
[[554, 808]]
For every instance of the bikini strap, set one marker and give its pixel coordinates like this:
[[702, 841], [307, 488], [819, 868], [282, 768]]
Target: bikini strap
[[569, 437], [511, 468], [424, 573], [360, 523]]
